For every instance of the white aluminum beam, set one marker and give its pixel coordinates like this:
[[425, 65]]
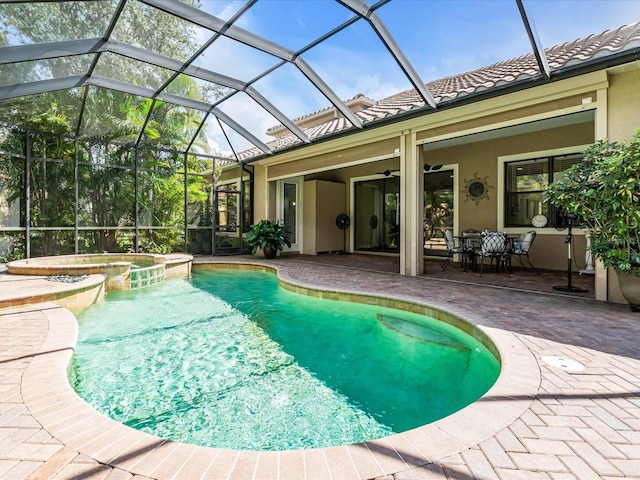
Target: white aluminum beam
[[203, 19], [176, 100], [110, 83], [171, 64], [268, 106], [241, 130], [365, 11], [42, 86], [327, 92], [42, 51]]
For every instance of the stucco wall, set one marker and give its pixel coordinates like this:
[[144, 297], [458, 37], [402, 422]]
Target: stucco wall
[[260, 194], [624, 104], [323, 202], [480, 159], [228, 174]]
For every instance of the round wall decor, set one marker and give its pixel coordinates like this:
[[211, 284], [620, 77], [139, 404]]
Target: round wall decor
[[476, 188]]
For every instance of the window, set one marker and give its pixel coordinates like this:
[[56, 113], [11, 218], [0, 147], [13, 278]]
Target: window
[[525, 180]]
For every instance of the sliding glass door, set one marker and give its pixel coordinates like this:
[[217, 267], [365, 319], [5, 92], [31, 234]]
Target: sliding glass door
[[377, 215], [438, 209]]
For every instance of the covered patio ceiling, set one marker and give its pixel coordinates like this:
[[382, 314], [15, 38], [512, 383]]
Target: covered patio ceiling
[[217, 63]]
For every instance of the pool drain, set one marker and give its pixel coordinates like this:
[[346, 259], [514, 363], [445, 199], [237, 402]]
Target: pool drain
[[563, 363]]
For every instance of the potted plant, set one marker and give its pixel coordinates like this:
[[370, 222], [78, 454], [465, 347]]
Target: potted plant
[[604, 190], [268, 236]]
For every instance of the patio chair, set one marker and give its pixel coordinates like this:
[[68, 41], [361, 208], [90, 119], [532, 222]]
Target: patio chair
[[471, 244], [494, 245], [522, 247], [452, 249]]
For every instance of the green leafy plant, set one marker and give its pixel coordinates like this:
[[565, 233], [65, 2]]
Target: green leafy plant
[[604, 190], [267, 233]]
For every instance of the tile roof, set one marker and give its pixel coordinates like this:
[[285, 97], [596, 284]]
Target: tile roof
[[560, 58]]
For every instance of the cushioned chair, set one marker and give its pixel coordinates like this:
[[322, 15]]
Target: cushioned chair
[[494, 245], [452, 249], [522, 247]]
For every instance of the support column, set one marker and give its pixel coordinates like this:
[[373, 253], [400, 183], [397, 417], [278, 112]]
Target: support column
[[601, 129], [411, 207]]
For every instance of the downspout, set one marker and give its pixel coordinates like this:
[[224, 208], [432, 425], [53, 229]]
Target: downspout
[[242, 222], [27, 194], [76, 232], [186, 203], [136, 241]]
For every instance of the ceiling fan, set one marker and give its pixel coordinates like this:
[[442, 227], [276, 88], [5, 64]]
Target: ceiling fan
[[388, 173], [428, 167]]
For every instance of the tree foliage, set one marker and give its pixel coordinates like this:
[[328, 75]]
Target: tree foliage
[[106, 181], [604, 190]]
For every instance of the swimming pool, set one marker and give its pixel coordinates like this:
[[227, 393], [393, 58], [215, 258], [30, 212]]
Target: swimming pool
[[231, 360]]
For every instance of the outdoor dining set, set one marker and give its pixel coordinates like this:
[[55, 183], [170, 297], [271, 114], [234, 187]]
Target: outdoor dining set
[[475, 247]]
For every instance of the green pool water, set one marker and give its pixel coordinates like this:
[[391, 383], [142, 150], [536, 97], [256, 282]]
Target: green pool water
[[228, 359]]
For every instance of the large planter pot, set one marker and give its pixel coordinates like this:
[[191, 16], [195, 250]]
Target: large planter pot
[[630, 289], [269, 252]]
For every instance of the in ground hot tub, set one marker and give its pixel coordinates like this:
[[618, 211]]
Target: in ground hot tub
[[123, 271]]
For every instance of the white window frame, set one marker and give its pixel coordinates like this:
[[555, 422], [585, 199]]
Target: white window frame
[[503, 160]]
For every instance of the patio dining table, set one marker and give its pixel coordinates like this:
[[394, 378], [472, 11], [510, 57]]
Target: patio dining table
[[472, 247]]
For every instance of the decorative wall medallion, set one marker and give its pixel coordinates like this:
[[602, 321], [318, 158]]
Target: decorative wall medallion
[[477, 188]]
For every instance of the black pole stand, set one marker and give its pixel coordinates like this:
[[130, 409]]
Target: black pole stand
[[344, 243], [568, 287]]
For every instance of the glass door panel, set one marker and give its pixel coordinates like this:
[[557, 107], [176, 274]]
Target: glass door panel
[[392, 215], [368, 224], [377, 215], [438, 209], [289, 205]]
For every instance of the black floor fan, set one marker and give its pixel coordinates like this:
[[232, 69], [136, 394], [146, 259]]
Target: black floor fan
[[343, 222], [565, 220]]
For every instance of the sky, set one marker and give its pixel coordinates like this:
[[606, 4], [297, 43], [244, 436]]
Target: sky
[[439, 37]]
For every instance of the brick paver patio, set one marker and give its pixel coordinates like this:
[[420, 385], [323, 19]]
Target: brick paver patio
[[540, 422]]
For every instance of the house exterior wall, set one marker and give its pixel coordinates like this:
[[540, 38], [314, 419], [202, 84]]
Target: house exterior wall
[[623, 117], [612, 98], [261, 196], [323, 202], [480, 159]]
